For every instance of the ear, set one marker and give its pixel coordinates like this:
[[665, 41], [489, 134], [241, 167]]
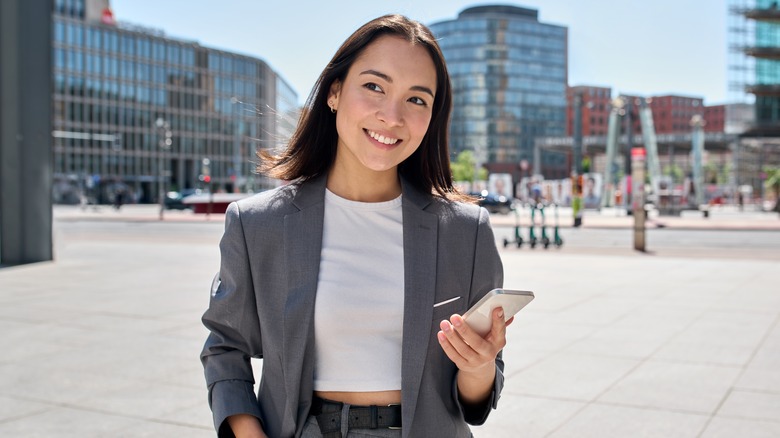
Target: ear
[[334, 93]]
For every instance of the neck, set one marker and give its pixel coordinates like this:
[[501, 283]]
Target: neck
[[365, 187]]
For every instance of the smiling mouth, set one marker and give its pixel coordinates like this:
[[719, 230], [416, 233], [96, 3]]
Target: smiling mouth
[[381, 138]]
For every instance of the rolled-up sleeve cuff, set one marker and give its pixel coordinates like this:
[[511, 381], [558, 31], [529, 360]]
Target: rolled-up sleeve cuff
[[231, 397], [477, 415]]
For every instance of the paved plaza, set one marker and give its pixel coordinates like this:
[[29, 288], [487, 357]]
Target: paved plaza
[[104, 341]]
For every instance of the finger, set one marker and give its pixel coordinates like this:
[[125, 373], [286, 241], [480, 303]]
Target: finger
[[446, 342], [461, 345], [465, 331], [497, 336], [449, 350], [481, 349]]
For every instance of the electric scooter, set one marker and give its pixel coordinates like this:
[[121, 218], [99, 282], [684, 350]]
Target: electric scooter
[[545, 238], [518, 239], [557, 240], [531, 234]]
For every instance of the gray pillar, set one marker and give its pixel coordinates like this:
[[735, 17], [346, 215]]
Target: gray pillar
[[577, 155], [25, 131]]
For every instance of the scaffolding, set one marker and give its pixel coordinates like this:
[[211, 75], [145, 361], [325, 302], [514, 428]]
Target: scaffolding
[[741, 67]]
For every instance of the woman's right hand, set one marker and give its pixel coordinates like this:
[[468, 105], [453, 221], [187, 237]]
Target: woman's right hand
[[246, 426]]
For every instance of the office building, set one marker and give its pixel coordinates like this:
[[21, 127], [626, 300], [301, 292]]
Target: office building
[[113, 82], [509, 76]]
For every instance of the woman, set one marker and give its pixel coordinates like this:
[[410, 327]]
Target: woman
[[350, 281]]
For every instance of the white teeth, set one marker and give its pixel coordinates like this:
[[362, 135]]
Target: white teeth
[[382, 138]]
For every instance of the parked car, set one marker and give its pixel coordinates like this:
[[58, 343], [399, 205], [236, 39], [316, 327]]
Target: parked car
[[493, 202], [175, 200]]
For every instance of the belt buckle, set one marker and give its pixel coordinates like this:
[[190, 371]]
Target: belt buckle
[[390, 406]]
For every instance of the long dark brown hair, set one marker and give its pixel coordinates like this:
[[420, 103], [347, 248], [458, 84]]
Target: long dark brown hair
[[312, 148]]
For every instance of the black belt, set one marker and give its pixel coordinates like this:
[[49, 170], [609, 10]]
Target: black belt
[[328, 414]]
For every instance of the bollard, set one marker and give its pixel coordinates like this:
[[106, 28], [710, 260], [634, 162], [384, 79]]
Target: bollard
[[638, 198]]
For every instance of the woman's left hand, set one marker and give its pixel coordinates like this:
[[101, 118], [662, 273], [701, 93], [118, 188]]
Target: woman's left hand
[[469, 351], [473, 354]]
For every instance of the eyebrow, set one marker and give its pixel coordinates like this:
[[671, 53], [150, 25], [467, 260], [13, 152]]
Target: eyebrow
[[389, 79]]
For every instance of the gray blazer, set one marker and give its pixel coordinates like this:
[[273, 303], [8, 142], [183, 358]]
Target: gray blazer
[[263, 307]]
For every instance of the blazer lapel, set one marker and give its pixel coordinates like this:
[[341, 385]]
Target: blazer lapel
[[302, 248], [420, 234]]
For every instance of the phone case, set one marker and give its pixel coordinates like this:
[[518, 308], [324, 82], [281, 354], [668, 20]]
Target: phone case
[[478, 317]]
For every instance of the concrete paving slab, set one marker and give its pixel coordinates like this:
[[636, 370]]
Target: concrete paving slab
[[751, 404], [718, 337], [65, 422], [684, 387], [528, 417], [731, 427], [13, 408], [599, 420], [617, 342], [570, 376], [150, 429]]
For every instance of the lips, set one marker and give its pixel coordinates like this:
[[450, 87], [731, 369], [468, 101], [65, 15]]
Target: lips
[[389, 141]]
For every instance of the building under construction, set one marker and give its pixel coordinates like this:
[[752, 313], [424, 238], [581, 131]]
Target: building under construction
[[754, 78]]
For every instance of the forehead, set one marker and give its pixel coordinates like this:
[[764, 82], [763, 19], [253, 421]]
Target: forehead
[[398, 58]]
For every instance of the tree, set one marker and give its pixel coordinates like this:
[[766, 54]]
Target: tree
[[675, 171], [772, 182], [463, 168]]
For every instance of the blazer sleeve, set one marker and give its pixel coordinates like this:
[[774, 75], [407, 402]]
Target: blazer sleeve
[[488, 274], [234, 330]]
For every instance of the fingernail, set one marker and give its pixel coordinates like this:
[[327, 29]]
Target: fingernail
[[445, 327], [500, 313], [457, 322], [441, 337]]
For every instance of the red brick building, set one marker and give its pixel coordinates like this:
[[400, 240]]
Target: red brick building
[[595, 109], [671, 113], [715, 118]]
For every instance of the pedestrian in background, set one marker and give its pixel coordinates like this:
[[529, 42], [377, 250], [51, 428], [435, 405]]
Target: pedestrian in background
[[350, 280]]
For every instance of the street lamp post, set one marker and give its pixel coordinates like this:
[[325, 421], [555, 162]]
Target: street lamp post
[[237, 158], [629, 129], [164, 134], [576, 168]]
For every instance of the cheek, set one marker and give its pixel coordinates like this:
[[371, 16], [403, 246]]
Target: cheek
[[420, 125]]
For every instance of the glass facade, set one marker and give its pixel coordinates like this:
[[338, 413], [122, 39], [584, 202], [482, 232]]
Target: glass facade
[[509, 77], [754, 39], [767, 35], [113, 82]]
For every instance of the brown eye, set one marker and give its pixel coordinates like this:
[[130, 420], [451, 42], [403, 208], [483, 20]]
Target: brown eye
[[373, 87], [418, 101]]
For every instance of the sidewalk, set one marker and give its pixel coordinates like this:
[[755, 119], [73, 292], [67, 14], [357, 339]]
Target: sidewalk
[[104, 341], [720, 218]]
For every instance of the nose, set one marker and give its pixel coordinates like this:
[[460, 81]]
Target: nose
[[391, 113]]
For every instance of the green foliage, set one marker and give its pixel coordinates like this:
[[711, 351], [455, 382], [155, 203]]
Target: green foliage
[[675, 171], [463, 168], [586, 165], [772, 180], [715, 174]]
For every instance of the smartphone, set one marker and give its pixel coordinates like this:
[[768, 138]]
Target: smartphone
[[479, 316]]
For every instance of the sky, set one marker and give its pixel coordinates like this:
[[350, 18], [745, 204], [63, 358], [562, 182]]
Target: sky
[[638, 47]]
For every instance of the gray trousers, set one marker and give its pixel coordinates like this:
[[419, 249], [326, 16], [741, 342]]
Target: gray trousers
[[312, 429]]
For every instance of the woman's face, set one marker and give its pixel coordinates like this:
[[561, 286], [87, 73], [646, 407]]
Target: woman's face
[[384, 105]]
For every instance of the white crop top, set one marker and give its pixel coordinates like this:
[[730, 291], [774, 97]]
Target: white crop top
[[358, 313]]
